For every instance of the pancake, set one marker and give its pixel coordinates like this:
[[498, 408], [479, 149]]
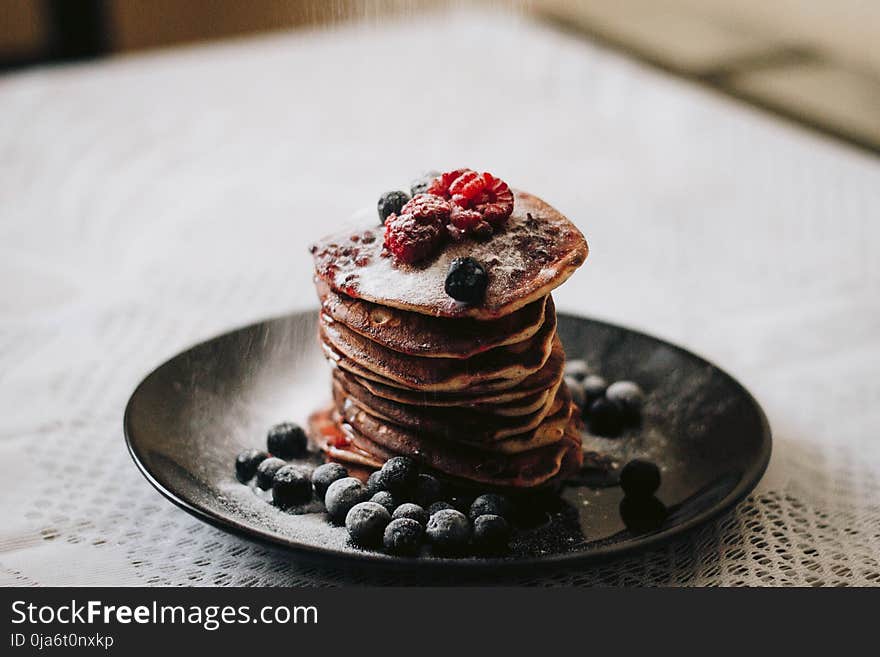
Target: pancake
[[338, 360], [326, 434], [461, 424], [391, 436], [431, 337], [540, 467], [524, 392], [537, 251], [503, 366], [527, 469], [525, 405]]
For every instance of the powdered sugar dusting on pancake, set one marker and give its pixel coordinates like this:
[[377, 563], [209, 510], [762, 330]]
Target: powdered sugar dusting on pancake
[[536, 252]]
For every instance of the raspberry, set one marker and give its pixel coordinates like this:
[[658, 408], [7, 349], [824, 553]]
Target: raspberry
[[465, 219], [440, 185], [427, 208], [411, 240], [466, 187], [482, 193]]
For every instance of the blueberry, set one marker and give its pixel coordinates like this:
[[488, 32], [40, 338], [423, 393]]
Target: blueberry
[[391, 203], [439, 506], [246, 464], [386, 499], [343, 494], [420, 185], [326, 474], [466, 280], [628, 396], [642, 514], [491, 533], [461, 502], [605, 418], [449, 530], [489, 504], [291, 486], [374, 483], [640, 477], [266, 471], [577, 370], [403, 536], [427, 491], [287, 441], [411, 511], [398, 475], [576, 389], [366, 523], [594, 387]]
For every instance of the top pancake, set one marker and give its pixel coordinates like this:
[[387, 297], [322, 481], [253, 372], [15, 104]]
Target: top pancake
[[537, 251], [432, 337]]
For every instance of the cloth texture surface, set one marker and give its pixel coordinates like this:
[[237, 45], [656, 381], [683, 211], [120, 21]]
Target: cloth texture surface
[[149, 202]]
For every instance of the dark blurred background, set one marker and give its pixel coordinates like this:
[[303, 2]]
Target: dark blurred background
[[814, 61]]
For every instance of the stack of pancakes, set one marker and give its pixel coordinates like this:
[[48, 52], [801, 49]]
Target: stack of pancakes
[[471, 391]]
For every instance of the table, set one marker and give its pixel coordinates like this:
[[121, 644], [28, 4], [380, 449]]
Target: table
[[151, 201]]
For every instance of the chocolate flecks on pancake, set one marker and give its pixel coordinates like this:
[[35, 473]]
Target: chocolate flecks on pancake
[[502, 366], [435, 337], [536, 251]]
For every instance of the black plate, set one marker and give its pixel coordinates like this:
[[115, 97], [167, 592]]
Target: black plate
[[189, 418]]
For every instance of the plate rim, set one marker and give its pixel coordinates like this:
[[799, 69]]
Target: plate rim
[[604, 552]]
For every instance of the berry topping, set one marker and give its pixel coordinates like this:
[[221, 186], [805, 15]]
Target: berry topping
[[642, 514], [366, 523], [411, 240], [449, 530], [411, 511], [640, 477], [291, 486], [399, 475], [247, 462], [441, 183], [491, 533], [466, 280], [342, 495], [463, 201], [577, 369], [427, 491], [594, 387], [489, 504], [266, 471], [462, 502], [488, 196], [439, 506], [403, 536], [374, 484], [391, 203], [386, 499], [469, 222], [605, 418], [628, 396], [428, 208], [287, 441], [420, 185], [326, 474]]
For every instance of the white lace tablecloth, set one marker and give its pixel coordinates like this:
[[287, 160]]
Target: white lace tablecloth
[[149, 202]]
